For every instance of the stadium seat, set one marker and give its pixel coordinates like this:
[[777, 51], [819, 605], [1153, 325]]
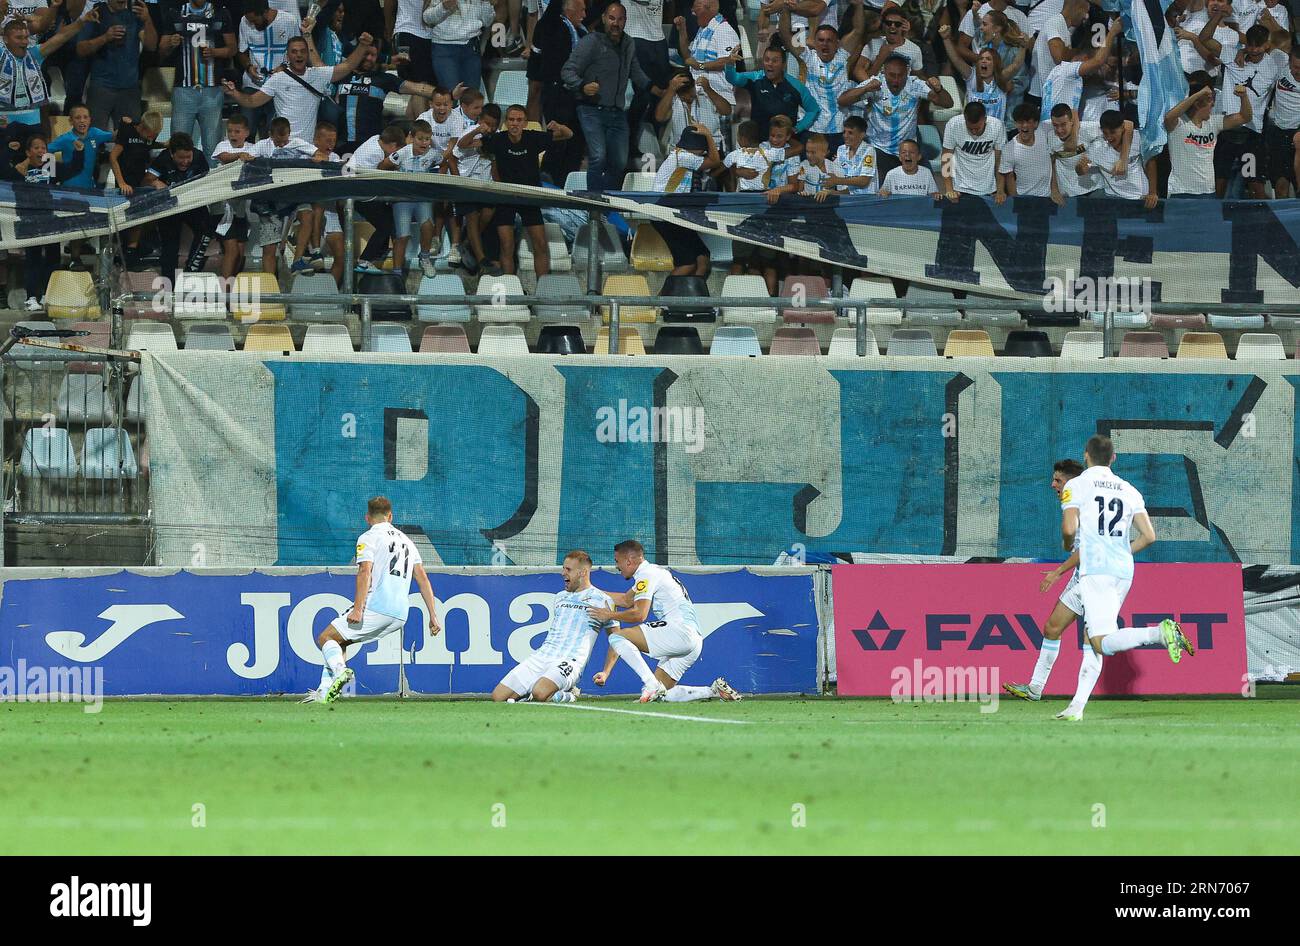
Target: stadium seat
[[931, 143], [642, 182], [1027, 344], [844, 344], [1083, 345], [134, 415], [967, 343], [209, 336], [561, 260], [721, 249], [812, 287], [385, 284], [561, 340], [199, 296], [444, 340], [511, 88], [559, 286], [262, 337], [1178, 321], [1236, 321], [47, 452], [22, 352], [501, 286], [1143, 345], [629, 341], [151, 336], [1261, 346], [678, 340], [246, 304], [612, 257], [738, 287], [687, 286], [98, 335], [70, 295], [159, 306], [735, 340], [794, 341], [871, 287], [83, 399], [107, 455], [1002, 318], [628, 284], [387, 338], [444, 284], [575, 181], [941, 115], [1053, 319], [1202, 345], [328, 339], [502, 340], [323, 298], [1121, 319], [650, 254], [940, 306], [912, 342]]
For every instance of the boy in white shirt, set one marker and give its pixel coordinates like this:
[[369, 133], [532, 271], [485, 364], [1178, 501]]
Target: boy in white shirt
[[816, 174], [272, 219], [972, 148], [856, 158], [418, 156], [232, 230], [781, 150], [447, 124], [909, 179], [1194, 131], [472, 163], [696, 153]]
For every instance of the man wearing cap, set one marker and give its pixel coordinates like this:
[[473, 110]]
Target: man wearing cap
[[695, 154]]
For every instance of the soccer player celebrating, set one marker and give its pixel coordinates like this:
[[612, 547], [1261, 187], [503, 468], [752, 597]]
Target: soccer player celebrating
[[552, 672], [386, 560], [1106, 565], [1067, 609], [673, 639]]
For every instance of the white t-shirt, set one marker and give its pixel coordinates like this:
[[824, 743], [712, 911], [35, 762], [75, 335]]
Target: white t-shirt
[[699, 110], [1043, 12], [225, 147], [1063, 84], [367, 156], [908, 49], [472, 163], [860, 163], [409, 19], [1285, 110], [645, 20], [266, 48], [754, 160], [677, 172], [666, 594], [296, 103], [407, 160], [1053, 28], [294, 148], [1258, 78], [1226, 36], [1191, 155], [1031, 164], [901, 184], [974, 160], [1133, 185], [1068, 181], [814, 178], [781, 166], [1106, 505], [1248, 12], [446, 133], [394, 558]]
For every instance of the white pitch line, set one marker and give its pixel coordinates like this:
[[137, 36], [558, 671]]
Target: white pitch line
[[610, 709]]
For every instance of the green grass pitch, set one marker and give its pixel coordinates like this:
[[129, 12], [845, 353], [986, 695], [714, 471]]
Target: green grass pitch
[[440, 777]]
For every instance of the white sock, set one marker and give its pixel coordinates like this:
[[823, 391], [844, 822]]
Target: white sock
[[333, 654], [681, 694], [564, 696], [326, 678], [1116, 642], [628, 653], [1089, 671], [1043, 668]]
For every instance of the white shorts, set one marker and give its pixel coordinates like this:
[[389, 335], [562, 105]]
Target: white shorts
[[372, 627], [561, 671], [675, 645], [1102, 596], [332, 224], [1071, 596]]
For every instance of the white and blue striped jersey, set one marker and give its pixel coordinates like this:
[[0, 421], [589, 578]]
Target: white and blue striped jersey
[[827, 81], [1107, 505], [1064, 84], [781, 166], [992, 96], [668, 597], [573, 630], [860, 163], [407, 160], [393, 557], [891, 118]]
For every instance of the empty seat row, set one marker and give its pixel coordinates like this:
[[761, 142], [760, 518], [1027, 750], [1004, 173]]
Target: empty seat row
[[105, 454]]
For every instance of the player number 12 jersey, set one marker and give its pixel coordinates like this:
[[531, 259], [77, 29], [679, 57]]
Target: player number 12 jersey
[[1106, 505]]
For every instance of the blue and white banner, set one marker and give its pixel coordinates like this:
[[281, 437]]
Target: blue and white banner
[[157, 631], [1164, 84]]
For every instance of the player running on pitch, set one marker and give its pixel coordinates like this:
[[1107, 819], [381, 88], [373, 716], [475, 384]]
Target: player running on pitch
[[553, 671], [1067, 609], [386, 560], [1101, 509], [673, 639]]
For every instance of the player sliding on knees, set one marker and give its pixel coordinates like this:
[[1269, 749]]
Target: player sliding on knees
[[1068, 608], [1101, 509], [553, 671], [386, 560], [674, 639]]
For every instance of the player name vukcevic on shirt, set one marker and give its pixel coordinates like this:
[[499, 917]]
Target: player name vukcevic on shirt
[[573, 630], [665, 592], [1106, 505], [393, 557]]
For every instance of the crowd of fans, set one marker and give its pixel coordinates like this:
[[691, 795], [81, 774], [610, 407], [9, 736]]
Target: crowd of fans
[[839, 99]]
